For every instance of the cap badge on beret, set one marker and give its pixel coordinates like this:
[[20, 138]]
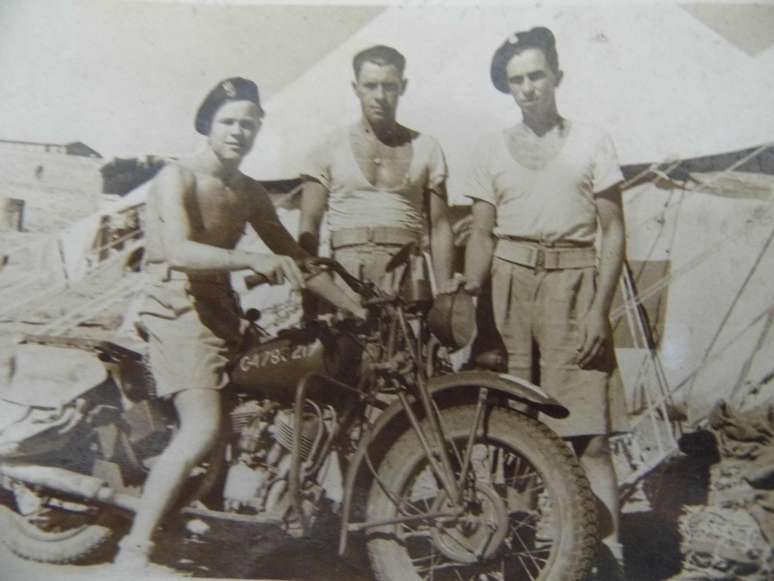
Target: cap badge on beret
[[228, 87], [514, 38], [234, 88]]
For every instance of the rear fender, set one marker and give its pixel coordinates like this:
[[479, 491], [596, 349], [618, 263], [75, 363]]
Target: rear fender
[[451, 389]]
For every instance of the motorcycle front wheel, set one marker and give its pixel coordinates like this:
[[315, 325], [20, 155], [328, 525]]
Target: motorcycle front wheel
[[527, 510]]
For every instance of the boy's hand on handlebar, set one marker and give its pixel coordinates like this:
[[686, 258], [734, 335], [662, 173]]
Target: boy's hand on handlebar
[[278, 269]]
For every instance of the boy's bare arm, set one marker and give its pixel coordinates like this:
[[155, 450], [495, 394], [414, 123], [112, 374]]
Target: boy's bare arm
[[267, 225], [480, 247], [595, 328], [441, 241], [171, 190], [314, 202]]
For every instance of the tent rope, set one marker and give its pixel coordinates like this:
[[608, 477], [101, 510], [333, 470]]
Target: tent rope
[[732, 306]]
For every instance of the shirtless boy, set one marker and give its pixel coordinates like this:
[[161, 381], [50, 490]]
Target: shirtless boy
[[197, 211]]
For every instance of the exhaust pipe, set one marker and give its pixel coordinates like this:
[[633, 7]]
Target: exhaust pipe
[[68, 482]]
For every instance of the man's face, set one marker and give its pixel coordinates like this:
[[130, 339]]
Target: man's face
[[533, 82], [233, 129], [379, 87]]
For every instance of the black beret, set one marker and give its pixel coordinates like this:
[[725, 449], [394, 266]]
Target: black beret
[[233, 89], [539, 37]]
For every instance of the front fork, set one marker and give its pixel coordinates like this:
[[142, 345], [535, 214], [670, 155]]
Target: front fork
[[435, 447]]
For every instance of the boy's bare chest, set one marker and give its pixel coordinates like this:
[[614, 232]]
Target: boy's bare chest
[[218, 213]]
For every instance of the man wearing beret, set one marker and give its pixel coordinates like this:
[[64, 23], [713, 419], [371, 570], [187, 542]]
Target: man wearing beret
[[197, 210], [545, 192], [379, 181]]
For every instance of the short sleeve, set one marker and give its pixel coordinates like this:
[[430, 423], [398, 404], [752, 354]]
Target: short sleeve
[[607, 171], [479, 184], [317, 165], [437, 171]]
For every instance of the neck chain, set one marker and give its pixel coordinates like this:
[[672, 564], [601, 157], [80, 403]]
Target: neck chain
[[380, 151]]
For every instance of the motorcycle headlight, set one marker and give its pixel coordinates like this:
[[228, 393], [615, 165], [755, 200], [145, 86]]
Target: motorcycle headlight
[[453, 319]]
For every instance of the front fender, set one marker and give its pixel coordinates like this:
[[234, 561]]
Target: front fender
[[509, 385], [461, 384]]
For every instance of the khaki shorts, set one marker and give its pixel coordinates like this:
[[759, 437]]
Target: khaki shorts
[[193, 331], [366, 262], [537, 314]]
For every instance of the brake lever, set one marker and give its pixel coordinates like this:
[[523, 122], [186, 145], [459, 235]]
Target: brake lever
[[364, 288]]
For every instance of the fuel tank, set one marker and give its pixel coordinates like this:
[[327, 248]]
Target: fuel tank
[[275, 367]]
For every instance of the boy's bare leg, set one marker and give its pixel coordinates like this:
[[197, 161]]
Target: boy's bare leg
[[199, 416]]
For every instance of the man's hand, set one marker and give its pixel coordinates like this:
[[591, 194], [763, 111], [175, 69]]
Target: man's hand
[[451, 285], [278, 269], [473, 287], [595, 334]]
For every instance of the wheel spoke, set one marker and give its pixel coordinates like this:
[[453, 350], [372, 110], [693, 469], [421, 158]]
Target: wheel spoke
[[526, 552], [509, 518], [525, 569], [525, 522]]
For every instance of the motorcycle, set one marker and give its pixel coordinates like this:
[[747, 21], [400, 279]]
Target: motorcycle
[[441, 474]]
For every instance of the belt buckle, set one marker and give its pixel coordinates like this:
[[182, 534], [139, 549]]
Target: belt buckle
[[540, 259], [369, 234]]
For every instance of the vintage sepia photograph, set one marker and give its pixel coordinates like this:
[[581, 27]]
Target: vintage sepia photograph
[[407, 290]]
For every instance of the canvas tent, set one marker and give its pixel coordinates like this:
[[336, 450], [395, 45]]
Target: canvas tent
[[670, 83]]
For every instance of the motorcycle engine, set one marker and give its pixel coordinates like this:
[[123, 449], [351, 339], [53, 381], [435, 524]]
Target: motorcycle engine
[[260, 462]]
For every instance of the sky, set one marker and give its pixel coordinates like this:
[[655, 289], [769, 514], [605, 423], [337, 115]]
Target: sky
[[126, 77]]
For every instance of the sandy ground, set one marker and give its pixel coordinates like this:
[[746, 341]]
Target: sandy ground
[[651, 542], [229, 552], [649, 532]]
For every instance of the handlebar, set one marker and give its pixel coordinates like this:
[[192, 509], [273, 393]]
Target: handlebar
[[311, 266], [254, 280]]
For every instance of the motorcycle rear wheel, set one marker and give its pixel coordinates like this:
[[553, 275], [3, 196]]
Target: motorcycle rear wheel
[[532, 516], [50, 534]]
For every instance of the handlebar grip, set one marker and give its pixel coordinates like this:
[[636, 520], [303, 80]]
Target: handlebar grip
[[254, 280]]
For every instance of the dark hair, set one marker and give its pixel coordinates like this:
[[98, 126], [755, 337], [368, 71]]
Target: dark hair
[[539, 37], [233, 89], [380, 55]]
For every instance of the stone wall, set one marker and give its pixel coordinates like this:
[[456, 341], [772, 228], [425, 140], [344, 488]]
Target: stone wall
[[57, 189], [50, 170]]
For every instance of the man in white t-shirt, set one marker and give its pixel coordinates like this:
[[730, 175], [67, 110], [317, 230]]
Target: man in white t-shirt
[[545, 194], [382, 184]]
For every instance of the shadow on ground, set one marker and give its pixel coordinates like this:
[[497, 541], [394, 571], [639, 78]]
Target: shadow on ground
[[243, 551], [650, 537], [234, 550]]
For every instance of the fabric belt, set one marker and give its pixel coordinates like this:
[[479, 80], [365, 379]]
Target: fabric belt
[[373, 234], [539, 256]]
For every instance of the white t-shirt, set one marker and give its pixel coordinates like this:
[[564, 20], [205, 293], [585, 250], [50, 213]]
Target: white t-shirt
[[552, 203], [354, 202]]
